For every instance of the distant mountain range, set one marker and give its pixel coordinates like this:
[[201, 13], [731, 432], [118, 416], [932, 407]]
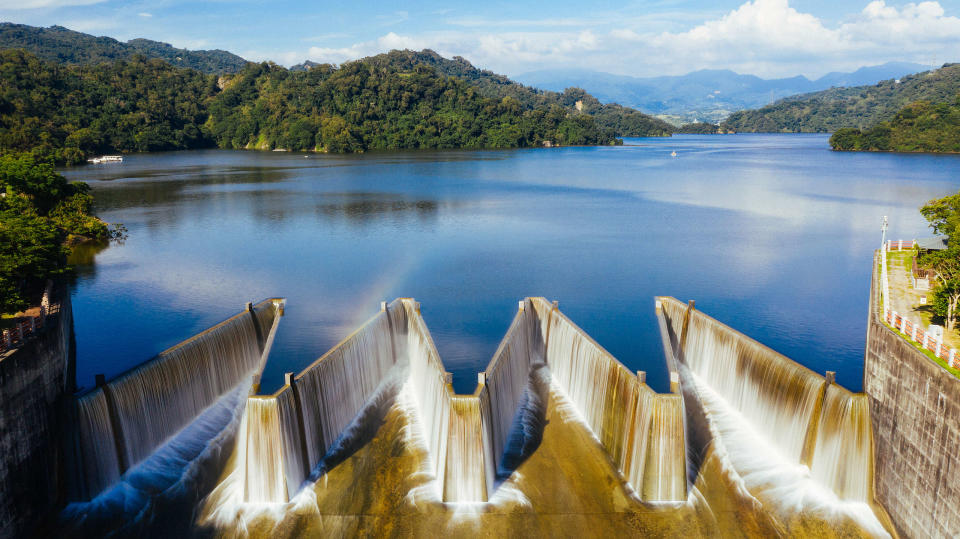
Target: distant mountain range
[[59, 44], [858, 107], [707, 95]]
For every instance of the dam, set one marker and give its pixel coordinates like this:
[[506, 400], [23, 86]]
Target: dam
[[557, 438]]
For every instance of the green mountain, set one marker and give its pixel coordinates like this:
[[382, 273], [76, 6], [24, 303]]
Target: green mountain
[[59, 44], [71, 111], [857, 107], [624, 121], [373, 104], [707, 95], [919, 127]]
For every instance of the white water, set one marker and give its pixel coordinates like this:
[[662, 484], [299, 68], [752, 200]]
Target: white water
[[770, 417], [178, 472], [153, 403], [640, 429], [507, 378], [776, 395], [337, 386], [843, 458], [466, 437], [431, 393], [96, 467], [771, 477]]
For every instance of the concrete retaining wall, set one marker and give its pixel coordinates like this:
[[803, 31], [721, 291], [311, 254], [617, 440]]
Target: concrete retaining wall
[[34, 381], [915, 411]]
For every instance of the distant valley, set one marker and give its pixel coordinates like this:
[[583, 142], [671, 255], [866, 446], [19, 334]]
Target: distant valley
[[706, 95]]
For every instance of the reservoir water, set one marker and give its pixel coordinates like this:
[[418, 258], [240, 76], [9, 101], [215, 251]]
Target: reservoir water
[[771, 234]]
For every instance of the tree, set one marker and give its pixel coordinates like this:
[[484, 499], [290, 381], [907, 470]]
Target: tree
[[31, 251], [943, 214], [39, 209]]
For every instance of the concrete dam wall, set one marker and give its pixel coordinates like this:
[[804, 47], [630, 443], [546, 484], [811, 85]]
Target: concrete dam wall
[[915, 411], [35, 381], [470, 439]]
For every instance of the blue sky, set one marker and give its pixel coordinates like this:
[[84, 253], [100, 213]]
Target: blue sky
[[770, 38]]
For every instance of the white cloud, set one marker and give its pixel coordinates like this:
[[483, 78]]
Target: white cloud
[[770, 38], [145, 14], [764, 37]]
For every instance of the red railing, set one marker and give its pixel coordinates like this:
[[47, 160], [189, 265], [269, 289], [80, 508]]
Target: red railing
[[922, 337], [25, 327], [899, 245]]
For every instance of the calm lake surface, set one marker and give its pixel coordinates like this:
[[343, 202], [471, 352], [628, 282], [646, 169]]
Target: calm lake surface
[[771, 234]]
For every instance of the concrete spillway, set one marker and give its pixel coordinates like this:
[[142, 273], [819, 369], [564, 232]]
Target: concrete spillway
[[154, 429], [469, 439], [796, 438], [555, 431]]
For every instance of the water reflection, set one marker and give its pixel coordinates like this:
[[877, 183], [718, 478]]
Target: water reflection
[[771, 234]]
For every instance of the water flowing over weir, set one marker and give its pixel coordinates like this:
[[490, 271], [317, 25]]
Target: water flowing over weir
[[142, 428], [807, 420], [469, 439]]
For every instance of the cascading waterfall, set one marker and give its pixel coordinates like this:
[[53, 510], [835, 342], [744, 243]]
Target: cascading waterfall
[[641, 430], [261, 452], [121, 424], [97, 467], [777, 395], [843, 458], [466, 477], [507, 378], [664, 473], [431, 392], [286, 434], [789, 433], [336, 387]]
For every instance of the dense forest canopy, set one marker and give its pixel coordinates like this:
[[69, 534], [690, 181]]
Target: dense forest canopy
[[59, 44], [146, 104], [920, 127], [624, 121], [362, 105], [72, 111], [40, 214], [857, 107]]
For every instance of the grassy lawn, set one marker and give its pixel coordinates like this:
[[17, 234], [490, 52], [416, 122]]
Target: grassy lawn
[[902, 261]]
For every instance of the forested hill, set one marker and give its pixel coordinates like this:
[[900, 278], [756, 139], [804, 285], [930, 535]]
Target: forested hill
[[857, 107], [624, 121], [365, 105], [919, 127], [59, 44], [146, 104]]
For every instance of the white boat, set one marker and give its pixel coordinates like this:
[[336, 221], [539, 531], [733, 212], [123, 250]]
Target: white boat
[[106, 159], [673, 154]]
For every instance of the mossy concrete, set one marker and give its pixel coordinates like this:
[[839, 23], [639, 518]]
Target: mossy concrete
[[568, 487], [35, 381], [915, 415]]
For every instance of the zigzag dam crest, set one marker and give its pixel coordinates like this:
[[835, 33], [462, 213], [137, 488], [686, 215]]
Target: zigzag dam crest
[[666, 453]]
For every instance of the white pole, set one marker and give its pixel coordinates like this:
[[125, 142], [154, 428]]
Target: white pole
[[883, 264]]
